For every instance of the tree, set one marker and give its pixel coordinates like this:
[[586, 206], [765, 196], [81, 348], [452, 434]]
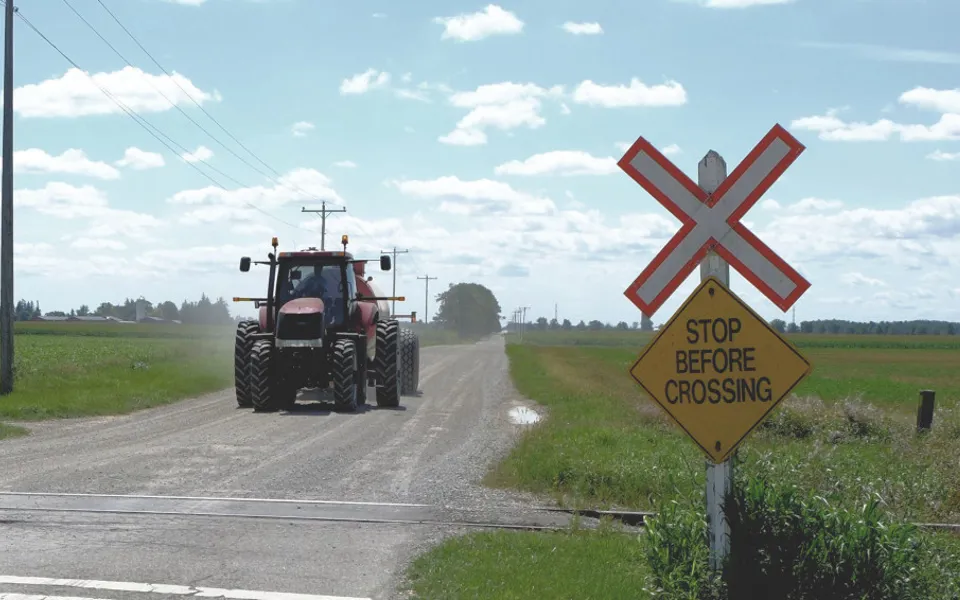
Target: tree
[[567, 325], [779, 324], [470, 309], [646, 323]]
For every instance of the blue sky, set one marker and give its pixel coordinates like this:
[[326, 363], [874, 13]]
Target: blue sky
[[483, 138]]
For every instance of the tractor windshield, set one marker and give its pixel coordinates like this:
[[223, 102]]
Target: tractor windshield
[[313, 279]]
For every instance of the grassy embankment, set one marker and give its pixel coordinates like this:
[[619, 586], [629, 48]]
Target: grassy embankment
[[89, 369], [848, 435]]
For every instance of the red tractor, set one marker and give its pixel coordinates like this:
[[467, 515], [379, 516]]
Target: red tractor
[[322, 325]]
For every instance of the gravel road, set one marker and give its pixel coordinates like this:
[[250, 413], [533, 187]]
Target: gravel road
[[186, 495]]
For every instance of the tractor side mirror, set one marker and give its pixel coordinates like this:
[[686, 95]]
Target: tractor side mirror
[[244, 264], [295, 275], [385, 262]]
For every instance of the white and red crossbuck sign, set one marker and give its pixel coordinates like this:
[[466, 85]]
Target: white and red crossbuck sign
[[712, 221]]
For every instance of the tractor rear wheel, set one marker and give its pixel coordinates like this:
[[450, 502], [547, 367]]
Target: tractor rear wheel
[[268, 392], [388, 363], [241, 361], [344, 375], [409, 362]]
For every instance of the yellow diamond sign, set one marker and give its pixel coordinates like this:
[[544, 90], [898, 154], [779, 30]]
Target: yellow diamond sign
[[718, 368]]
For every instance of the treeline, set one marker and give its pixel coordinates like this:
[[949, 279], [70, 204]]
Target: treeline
[[820, 326], [201, 312]]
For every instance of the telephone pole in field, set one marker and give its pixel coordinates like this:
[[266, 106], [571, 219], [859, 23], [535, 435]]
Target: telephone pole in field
[[323, 212], [426, 295], [6, 212], [394, 252]]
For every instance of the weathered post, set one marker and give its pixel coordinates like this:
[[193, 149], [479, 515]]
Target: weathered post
[[711, 172], [925, 410]]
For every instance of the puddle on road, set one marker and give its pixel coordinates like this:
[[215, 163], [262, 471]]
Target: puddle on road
[[522, 415]]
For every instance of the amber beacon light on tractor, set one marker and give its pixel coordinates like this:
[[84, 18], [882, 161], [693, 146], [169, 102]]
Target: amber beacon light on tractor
[[323, 325]]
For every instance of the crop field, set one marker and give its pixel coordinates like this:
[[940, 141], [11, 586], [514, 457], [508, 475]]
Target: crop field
[[848, 435], [66, 370]]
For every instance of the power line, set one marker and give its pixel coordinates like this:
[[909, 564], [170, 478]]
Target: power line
[[140, 120], [323, 220], [393, 305], [126, 30], [177, 83], [426, 295], [159, 91]]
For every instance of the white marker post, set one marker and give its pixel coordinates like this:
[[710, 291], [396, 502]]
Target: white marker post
[[711, 172]]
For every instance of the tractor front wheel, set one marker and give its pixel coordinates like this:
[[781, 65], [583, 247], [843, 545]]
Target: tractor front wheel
[[344, 375], [268, 392], [241, 361], [388, 363]]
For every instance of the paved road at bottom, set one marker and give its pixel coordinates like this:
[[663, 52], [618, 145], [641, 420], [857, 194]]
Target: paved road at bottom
[[201, 498]]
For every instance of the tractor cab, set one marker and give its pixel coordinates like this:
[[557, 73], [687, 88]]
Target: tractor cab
[[307, 276]]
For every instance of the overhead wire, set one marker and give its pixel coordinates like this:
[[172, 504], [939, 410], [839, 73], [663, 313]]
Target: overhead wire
[[154, 131], [198, 105], [157, 133]]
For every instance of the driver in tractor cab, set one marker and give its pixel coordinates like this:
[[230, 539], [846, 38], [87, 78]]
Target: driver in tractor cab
[[321, 283]]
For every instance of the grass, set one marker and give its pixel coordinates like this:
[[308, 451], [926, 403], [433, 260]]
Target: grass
[[74, 370], [848, 437], [519, 565], [65, 370]]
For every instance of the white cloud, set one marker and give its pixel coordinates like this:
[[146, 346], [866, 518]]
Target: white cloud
[[71, 162], [562, 162], [301, 128], [770, 204], [65, 201], [671, 150], [859, 279], [98, 244], [637, 93], [481, 196], [582, 28], [831, 127], [345, 164], [922, 234], [74, 95], [505, 106], [139, 160], [818, 205], [942, 101], [941, 156], [362, 83], [379, 15], [202, 153], [215, 205], [470, 27], [739, 3]]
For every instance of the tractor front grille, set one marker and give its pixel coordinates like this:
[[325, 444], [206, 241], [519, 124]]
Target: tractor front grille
[[300, 326]]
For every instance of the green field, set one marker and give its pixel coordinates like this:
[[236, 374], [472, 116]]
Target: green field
[[848, 435], [88, 369]]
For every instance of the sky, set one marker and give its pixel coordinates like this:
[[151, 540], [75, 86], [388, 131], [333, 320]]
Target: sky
[[483, 139]]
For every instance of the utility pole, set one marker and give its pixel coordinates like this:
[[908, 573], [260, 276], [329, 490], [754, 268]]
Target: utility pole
[[523, 321], [323, 220], [394, 252], [426, 295], [6, 213]]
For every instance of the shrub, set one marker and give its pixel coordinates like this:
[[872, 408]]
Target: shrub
[[791, 546]]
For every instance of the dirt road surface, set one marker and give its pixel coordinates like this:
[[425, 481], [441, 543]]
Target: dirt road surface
[[201, 498]]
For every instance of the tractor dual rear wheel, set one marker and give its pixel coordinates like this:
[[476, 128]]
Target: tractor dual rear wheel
[[343, 372], [241, 361], [388, 364], [409, 362], [268, 391]]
